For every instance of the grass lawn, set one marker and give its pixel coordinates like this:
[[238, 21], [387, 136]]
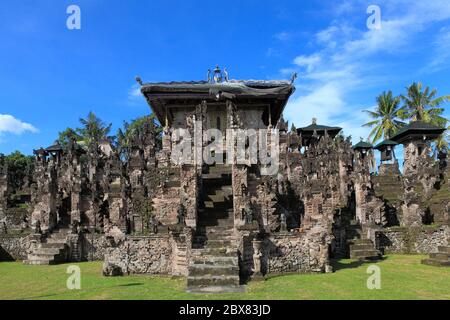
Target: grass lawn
[[402, 277]]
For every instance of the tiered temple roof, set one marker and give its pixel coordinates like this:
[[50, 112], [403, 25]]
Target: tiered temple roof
[[418, 130], [384, 144], [164, 95]]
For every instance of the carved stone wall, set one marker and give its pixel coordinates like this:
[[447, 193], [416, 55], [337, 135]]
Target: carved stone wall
[[140, 255], [420, 240], [297, 252], [14, 247]]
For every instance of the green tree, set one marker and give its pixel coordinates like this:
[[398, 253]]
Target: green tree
[[68, 135], [385, 116], [93, 129], [19, 167], [422, 104], [130, 129]]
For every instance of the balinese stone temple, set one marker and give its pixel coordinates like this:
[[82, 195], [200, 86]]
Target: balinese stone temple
[[228, 193]]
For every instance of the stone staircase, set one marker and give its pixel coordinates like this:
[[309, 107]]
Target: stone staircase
[[359, 246], [214, 265], [363, 249], [53, 251], [441, 258]]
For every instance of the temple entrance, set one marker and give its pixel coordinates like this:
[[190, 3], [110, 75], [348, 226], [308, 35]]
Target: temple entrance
[[217, 119], [64, 212], [213, 242]]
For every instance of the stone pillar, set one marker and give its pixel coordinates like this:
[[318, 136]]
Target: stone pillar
[[411, 207], [240, 197], [414, 154], [75, 214], [359, 202], [189, 193]]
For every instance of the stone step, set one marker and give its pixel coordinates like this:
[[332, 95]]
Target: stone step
[[227, 210], [218, 205], [215, 213], [216, 223], [52, 251], [56, 241], [58, 236], [436, 263], [61, 233], [223, 170], [209, 214], [215, 260], [215, 289], [213, 270], [364, 254], [362, 241], [215, 243], [361, 247], [208, 280], [52, 245], [215, 236], [41, 255], [219, 177], [221, 189], [440, 256], [215, 252], [208, 230], [218, 198], [444, 249], [41, 262]]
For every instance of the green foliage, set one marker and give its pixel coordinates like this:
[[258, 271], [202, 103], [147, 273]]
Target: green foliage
[[93, 129], [422, 104], [130, 129], [419, 104], [19, 167], [69, 135], [386, 121]]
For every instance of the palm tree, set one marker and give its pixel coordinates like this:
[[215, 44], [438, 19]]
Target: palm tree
[[125, 135], [93, 129], [385, 116], [423, 105]]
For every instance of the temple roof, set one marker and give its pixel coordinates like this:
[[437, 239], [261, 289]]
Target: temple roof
[[319, 129], [274, 92], [40, 151], [385, 143], [54, 148], [418, 130], [362, 145]]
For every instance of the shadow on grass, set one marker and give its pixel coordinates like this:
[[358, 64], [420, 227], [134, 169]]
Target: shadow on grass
[[338, 265], [131, 284], [40, 297]]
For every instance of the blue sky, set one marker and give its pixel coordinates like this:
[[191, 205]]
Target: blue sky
[[51, 76]]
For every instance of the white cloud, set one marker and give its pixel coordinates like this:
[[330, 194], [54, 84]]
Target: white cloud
[[134, 92], [441, 52], [346, 61], [308, 61], [283, 36], [9, 124], [135, 97]]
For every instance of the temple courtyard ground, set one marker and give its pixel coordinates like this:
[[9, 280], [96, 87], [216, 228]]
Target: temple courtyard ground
[[402, 277]]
